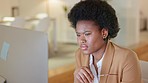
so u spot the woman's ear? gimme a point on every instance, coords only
(104, 33)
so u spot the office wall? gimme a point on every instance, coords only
(5, 8)
(30, 8)
(14, 2)
(71, 2)
(144, 7)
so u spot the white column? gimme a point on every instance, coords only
(128, 16)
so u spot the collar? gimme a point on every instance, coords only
(107, 61)
(91, 59)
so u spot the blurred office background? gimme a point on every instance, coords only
(50, 16)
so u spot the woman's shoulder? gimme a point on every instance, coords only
(124, 53)
(123, 50)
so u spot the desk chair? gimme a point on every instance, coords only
(144, 68)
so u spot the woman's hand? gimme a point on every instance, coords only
(83, 75)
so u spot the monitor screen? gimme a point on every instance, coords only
(23, 55)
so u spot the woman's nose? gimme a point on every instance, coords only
(82, 40)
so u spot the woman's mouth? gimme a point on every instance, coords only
(84, 47)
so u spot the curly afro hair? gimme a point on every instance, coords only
(98, 11)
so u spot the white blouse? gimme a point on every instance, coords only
(93, 70)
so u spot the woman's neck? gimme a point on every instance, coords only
(98, 54)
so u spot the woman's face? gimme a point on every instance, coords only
(89, 36)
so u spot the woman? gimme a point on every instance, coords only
(98, 60)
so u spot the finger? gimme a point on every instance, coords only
(79, 78)
(89, 72)
(86, 75)
(83, 77)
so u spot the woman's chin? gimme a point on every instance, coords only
(86, 53)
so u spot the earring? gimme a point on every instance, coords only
(104, 36)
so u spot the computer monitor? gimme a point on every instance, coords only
(23, 55)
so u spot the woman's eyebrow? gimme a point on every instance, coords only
(87, 31)
(83, 32)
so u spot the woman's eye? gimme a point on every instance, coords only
(86, 34)
(78, 35)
